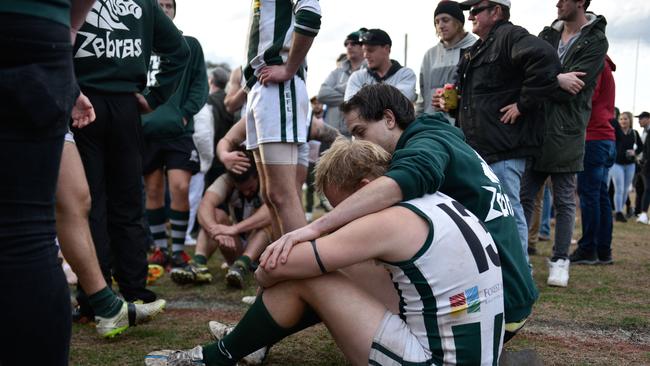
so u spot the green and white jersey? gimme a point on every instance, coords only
(451, 291)
(271, 29)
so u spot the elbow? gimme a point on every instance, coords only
(230, 108)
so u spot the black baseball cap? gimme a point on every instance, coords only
(375, 37)
(643, 115)
(355, 36)
(466, 5)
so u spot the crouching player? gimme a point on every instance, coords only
(442, 260)
(233, 219)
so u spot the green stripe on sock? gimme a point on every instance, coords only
(245, 260)
(179, 221)
(105, 303)
(156, 219)
(200, 259)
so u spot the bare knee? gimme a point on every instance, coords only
(73, 200)
(155, 193)
(179, 189)
(221, 217)
(280, 197)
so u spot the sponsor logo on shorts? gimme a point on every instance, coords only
(466, 300)
(194, 156)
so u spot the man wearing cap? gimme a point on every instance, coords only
(332, 91)
(643, 178)
(440, 62)
(381, 69)
(503, 78)
(578, 38)
(644, 122)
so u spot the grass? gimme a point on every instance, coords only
(602, 318)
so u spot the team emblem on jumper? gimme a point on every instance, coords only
(106, 16)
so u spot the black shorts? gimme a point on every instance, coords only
(179, 153)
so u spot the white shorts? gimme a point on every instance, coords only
(277, 113)
(394, 344)
(69, 137)
(303, 154)
(285, 154)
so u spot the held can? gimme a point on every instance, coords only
(448, 92)
(451, 96)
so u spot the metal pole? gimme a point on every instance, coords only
(636, 70)
(406, 47)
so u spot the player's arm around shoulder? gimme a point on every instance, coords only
(394, 234)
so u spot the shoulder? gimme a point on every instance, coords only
(359, 75)
(406, 71)
(193, 43)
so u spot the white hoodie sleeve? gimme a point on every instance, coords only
(204, 136)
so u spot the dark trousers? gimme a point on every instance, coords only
(36, 95)
(639, 188)
(564, 187)
(595, 209)
(111, 151)
(645, 202)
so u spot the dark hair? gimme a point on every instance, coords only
(587, 3)
(174, 2)
(219, 77)
(251, 172)
(372, 100)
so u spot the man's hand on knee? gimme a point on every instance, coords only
(279, 250)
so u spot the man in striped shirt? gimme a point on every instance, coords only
(443, 262)
(281, 33)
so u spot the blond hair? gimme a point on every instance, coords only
(347, 162)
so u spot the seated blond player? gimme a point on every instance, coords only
(442, 260)
(233, 219)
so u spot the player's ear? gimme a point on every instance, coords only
(363, 183)
(389, 116)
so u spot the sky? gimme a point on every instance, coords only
(221, 27)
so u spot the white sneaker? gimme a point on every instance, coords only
(130, 314)
(166, 357)
(248, 300)
(219, 330)
(558, 273)
(643, 218)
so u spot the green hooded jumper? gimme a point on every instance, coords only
(430, 156)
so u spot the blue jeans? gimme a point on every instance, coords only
(622, 177)
(594, 201)
(510, 173)
(547, 207)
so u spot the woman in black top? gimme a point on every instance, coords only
(628, 146)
